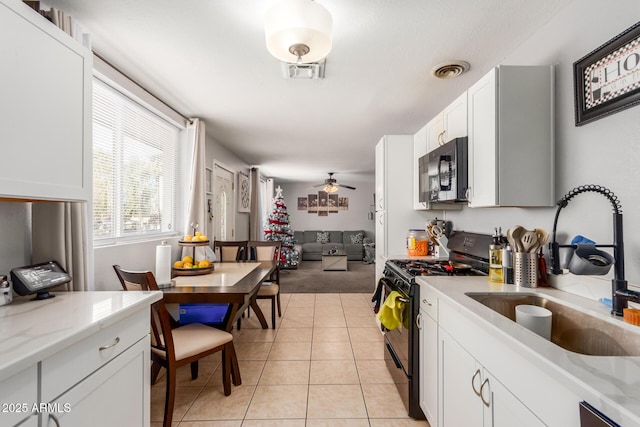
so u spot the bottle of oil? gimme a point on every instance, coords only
(495, 259)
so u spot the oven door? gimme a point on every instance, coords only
(396, 341)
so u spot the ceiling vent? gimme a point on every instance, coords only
(314, 70)
(449, 70)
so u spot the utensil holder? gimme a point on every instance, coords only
(525, 269)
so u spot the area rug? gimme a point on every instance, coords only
(309, 278)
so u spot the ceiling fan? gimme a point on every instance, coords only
(331, 185)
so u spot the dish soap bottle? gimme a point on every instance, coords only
(495, 259)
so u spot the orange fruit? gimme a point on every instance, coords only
(187, 265)
(178, 264)
(188, 259)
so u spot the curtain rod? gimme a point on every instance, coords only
(102, 58)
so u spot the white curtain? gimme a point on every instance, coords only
(59, 231)
(255, 215)
(196, 210)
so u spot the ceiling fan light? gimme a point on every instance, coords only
(330, 188)
(298, 31)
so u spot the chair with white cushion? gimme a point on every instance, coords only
(173, 347)
(268, 251)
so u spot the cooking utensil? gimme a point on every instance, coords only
(529, 241)
(516, 235)
(543, 237)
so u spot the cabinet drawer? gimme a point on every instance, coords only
(18, 394)
(429, 301)
(70, 366)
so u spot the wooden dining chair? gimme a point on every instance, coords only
(230, 251)
(268, 251)
(173, 347)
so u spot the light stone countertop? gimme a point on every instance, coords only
(614, 381)
(31, 331)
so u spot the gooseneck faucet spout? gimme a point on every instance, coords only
(620, 293)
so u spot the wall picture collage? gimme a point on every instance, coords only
(323, 203)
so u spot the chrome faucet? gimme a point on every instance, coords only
(620, 293)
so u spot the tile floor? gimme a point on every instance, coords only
(322, 366)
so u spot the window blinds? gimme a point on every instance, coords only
(134, 167)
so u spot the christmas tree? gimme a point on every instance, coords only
(278, 229)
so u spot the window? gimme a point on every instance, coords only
(135, 158)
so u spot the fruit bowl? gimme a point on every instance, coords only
(191, 271)
(193, 242)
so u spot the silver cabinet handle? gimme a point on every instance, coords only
(427, 302)
(113, 344)
(473, 382)
(485, 382)
(419, 320)
(441, 140)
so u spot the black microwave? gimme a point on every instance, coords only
(444, 173)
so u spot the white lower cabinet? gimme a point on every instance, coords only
(428, 326)
(471, 396)
(111, 396)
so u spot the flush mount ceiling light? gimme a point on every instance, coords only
(450, 69)
(298, 31)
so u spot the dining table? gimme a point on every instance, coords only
(233, 283)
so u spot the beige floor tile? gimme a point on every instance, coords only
(283, 372)
(256, 335)
(368, 350)
(365, 334)
(361, 321)
(212, 404)
(301, 300)
(290, 351)
(278, 401)
(294, 335)
(330, 334)
(333, 372)
(296, 323)
(183, 375)
(184, 398)
(253, 350)
(323, 350)
(373, 372)
(298, 312)
(358, 311)
(353, 422)
(383, 401)
(336, 401)
(396, 422)
(325, 320)
(274, 423)
(250, 371)
(233, 423)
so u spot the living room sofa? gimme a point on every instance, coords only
(311, 243)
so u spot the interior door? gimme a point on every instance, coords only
(223, 193)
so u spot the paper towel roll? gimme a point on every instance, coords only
(163, 265)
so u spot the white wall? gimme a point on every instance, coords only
(356, 218)
(604, 152)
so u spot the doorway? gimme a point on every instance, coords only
(223, 193)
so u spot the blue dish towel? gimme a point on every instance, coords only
(581, 240)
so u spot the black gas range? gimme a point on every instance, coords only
(468, 256)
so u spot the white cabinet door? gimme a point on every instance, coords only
(380, 171)
(454, 118)
(435, 132)
(461, 381)
(45, 109)
(115, 395)
(482, 141)
(429, 367)
(419, 150)
(505, 409)
(508, 123)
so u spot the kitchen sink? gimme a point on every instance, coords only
(571, 329)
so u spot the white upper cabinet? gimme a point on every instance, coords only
(45, 108)
(419, 150)
(449, 124)
(511, 137)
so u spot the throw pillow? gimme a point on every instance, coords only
(356, 239)
(322, 237)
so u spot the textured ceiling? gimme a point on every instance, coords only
(208, 59)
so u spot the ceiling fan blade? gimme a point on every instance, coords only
(345, 186)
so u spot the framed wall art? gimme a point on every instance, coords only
(607, 80)
(244, 193)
